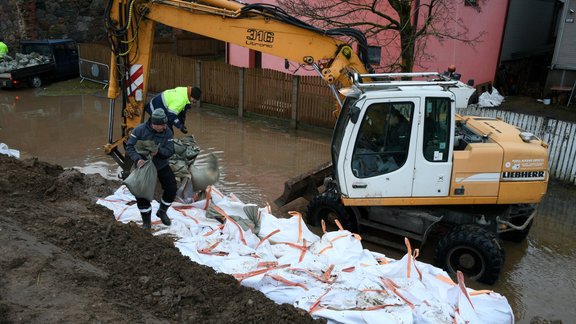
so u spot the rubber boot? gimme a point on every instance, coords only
(161, 213)
(146, 220)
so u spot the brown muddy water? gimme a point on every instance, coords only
(257, 156)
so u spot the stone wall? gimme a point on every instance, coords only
(81, 20)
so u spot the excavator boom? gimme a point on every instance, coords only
(259, 27)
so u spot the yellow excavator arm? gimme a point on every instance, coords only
(260, 27)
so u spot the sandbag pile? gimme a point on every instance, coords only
(491, 98)
(331, 276)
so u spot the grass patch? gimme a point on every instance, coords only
(72, 87)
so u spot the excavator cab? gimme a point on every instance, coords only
(398, 129)
(402, 169)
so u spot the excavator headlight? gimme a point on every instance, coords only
(527, 137)
(347, 52)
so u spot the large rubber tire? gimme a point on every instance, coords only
(327, 207)
(474, 251)
(35, 82)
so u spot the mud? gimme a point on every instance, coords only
(64, 259)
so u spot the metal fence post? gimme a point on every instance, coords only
(241, 73)
(294, 107)
(198, 77)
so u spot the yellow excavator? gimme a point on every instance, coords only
(404, 163)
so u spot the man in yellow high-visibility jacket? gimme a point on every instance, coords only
(175, 103)
(3, 48)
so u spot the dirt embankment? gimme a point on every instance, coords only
(64, 259)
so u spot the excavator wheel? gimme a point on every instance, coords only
(473, 250)
(327, 207)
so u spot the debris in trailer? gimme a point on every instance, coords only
(332, 276)
(8, 63)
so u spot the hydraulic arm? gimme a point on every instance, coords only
(260, 27)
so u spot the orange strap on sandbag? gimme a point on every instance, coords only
(276, 231)
(229, 219)
(286, 281)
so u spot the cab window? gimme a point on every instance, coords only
(437, 129)
(383, 140)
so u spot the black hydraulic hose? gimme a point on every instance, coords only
(277, 13)
(110, 24)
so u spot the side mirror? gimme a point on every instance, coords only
(354, 114)
(470, 82)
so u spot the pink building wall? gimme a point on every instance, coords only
(481, 61)
(478, 63)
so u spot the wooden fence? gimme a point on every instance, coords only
(560, 136)
(271, 93)
(308, 100)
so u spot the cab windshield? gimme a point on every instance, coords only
(339, 130)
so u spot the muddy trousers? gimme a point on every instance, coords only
(168, 183)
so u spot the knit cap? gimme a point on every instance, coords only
(159, 117)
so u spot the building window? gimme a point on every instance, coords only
(473, 3)
(374, 54)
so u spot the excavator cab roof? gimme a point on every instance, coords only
(417, 83)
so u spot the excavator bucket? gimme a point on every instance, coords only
(304, 185)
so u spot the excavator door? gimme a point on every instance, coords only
(378, 161)
(434, 149)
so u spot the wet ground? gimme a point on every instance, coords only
(257, 156)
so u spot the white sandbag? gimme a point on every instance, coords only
(292, 230)
(341, 248)
(490, 99)
(4, 149)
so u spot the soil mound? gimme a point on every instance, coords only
(65, 259)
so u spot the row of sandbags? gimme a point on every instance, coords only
(331, 276)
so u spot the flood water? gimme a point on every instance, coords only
(257, 156)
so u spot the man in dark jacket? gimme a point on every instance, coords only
(399, 132)
(398, 137)
(156, 130)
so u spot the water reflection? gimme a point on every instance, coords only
(539, 276)
(68, 130)
(256, 157)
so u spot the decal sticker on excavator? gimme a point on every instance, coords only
(524, 175)
(530, 164)
(260, 38)
(480, 177)
(524, 170)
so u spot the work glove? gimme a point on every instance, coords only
(184, 129)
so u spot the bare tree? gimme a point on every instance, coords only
(397, 26)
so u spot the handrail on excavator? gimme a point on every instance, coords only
(387, 80)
